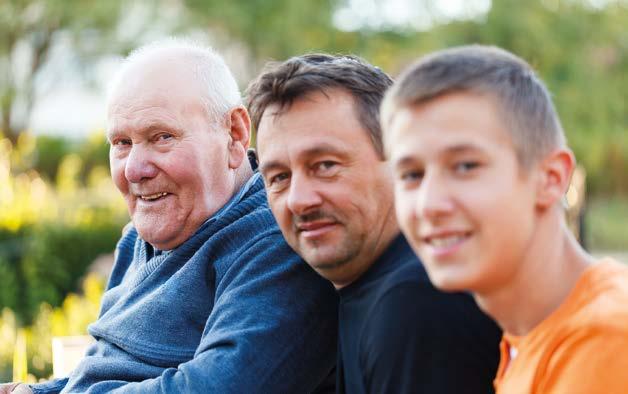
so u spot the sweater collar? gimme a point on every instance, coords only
(234, 200)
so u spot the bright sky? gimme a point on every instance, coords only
(412, 14)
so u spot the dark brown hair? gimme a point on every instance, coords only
(284, 83)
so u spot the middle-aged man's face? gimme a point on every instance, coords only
(327, 187)
(168, 159)
(463, 201)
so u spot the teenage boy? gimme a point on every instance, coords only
(330, 189)
(480, 169)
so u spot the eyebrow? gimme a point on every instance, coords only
(450, 150)
(323, 149)
(404, 161)
(271, 165)
(462, 148)
(154, 126)
(317, 150)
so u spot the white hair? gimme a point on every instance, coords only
(221, 88)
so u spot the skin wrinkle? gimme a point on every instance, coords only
(168, 143)
(358, 224)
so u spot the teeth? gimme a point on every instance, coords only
(444, 242)
(153, 196)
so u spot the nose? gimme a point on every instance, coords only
(303, 195)
(139, 166)
(434, 198)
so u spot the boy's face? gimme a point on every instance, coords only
(462, 200)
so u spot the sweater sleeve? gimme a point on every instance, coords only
(273, 329)
(50, 387)
(420, 340)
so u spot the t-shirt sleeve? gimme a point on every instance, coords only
(422, 340)
(589, 363)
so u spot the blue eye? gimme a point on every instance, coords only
(411, 176)
(325, 165)
(122, 141)
(465, 166)
(278, 178)
(164, 137)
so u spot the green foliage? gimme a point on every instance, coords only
(50, 233)
(29, 31)
(50, 152)
(275, 29)
(71, 318)
(606, 224)
(580, 52)
(58, 255)
(59, 209)
(8, 331)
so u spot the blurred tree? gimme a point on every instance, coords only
(29, 30)
(269, 29)
(50, 152)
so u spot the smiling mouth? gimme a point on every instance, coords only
(447, 242)
(152, 197)
(315, 229)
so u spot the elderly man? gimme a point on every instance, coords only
(205, 295)
(330, 189)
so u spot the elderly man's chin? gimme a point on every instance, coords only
(159, 230)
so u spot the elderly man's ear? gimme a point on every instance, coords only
(239, 126)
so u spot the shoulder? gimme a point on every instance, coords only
(423, 308)
(597, 305)
(253, 252)
(589, 361)
(407, 303)
(586, 347)
(407, 286)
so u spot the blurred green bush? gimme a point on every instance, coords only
(71, 318)
(58, 212)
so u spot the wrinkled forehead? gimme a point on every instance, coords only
(142, 110)
(156, 74)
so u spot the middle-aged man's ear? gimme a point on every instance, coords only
(554, 177)
(239, 127)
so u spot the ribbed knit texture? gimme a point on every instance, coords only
(232, 310)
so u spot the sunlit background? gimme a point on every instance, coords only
(60, 215)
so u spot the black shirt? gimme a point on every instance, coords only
(399, 334)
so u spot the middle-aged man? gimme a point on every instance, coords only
(205, 295)
(320, 154)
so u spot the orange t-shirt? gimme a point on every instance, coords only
(582, 347)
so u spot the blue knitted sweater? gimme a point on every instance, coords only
(232, 310)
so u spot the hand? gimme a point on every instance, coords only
(15, 388)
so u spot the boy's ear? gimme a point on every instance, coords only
(554, 177)
(239, 126)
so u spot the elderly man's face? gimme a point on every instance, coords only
(168, 158)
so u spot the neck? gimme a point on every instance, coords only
(241, 176)
(547, 273)
(369, 255)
